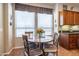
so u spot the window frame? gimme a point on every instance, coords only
(36, 23)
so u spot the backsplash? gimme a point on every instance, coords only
(69, 28)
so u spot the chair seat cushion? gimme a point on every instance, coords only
(32, 45)
(50, 49)
(35, 52)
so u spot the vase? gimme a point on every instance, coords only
(39, 38)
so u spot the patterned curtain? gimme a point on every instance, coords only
(25, 7)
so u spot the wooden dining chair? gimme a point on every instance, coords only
(52, 48)
(29, 34)
(29, 51)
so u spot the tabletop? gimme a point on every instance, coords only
(42, 40)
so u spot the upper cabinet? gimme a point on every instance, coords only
(66, 17)
(69, 17)
(76, 18)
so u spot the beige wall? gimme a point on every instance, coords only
(1, 29)
(56, 12)
(7, 29)
(18, 42)
(10, 33)
(76, 7)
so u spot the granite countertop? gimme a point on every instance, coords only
(68, 32)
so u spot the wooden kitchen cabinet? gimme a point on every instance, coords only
(78, 42)
(69, 41)
(76, 18)
(69, 17)
(73, 41)
(66, 17)
(64, 41)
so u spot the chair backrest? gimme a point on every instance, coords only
(26, 44)
(55, 39)
(29, 34)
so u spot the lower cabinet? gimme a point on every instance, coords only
(78, 43)
(69, 41)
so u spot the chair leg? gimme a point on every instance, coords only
(46, 54)
(23, 53)
(54, 54)
(57, 54)
(41, 55)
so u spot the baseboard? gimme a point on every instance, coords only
(1, 52)
(11, 50)
(8, 52)
(18, 47)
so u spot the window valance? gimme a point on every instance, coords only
(24, 7)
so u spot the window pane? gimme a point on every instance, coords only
(24, 22)
(24, 19)
(45, 22)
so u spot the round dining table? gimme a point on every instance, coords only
(42, 41)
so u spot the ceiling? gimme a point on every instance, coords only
(46, 5)
(73, 4)
(51, 5)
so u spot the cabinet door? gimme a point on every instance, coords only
(64, 41)
(71, 17)
(76, 18)
(73, 41)
(78, 42)
(66, 17)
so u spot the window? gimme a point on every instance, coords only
(29, 18)
(45, 22)
(25, 21)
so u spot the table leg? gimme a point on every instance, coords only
(42, 44)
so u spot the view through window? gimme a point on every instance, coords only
(25, 22)
(45, 22)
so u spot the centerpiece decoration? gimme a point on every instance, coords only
(39, 31)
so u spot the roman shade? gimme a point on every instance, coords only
(25, 7)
